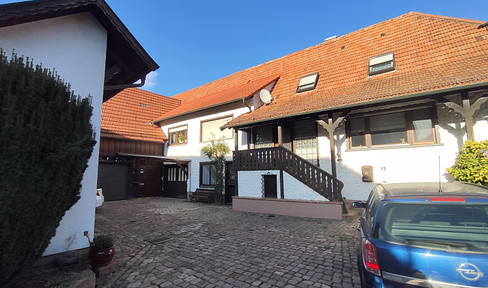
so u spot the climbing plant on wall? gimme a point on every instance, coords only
(46, 140)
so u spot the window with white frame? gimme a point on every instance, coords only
(210, 129)
(411, 127)
(178, 135)
(308, 82)
(381, 63)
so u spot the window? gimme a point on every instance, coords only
(178, 135)
(177, 174)
(210, 129)
(381, 64)
(308, 82)
(263, 137)
(395, 128)
(426, 224)
(207, 174)
(306, 140)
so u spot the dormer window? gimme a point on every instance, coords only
(381, 64)
(308, 82)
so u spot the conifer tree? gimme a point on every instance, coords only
(46, 140)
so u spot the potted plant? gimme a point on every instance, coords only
(102, 249)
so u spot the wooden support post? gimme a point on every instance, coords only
(332, 147)
(236, 139)
(280, 135)
(330, 125)
(468, 118)
(467, 111)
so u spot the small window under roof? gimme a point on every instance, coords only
(308, 82)
(381, 63)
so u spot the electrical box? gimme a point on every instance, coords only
(367, 172)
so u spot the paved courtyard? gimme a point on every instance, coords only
(164, 242)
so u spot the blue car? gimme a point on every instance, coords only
(424, 235)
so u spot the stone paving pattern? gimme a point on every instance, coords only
(163, 242)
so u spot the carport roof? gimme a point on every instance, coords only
(165, 159)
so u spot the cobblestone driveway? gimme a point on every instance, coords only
(165, 242)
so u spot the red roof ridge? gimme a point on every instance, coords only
(234, 93)
(455, 19)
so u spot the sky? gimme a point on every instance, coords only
(199, 41)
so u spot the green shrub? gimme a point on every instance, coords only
(471, 163)
(216, 151)
(101, 242)
(46, 140)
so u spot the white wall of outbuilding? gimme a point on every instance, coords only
(75, 46)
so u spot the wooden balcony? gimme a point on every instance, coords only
(279, 158)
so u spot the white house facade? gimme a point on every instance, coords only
(363, 108)
(73, 43)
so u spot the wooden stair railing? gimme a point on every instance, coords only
(280, 158)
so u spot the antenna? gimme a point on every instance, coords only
(440, 187)
(265, 96)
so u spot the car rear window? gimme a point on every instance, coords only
(446, 226)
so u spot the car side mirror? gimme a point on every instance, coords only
(359, 204)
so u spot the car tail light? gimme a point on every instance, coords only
(447, 199)
(370, 258)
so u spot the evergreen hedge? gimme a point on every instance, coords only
(46, 140)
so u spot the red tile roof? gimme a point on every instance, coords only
(128, 115)
(431, 53)
(203, 98)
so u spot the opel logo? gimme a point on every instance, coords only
(469, 271)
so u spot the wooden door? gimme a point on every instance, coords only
(270, 186)
(230, 182)
(148, 175)
(175, 179)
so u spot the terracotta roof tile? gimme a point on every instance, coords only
(129, 114)
(431, 53)
(195, 101)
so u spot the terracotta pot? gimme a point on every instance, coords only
(101, 257)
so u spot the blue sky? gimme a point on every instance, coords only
(199, 41)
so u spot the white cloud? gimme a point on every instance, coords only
(151, 80)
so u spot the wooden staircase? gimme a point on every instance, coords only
(280, 158)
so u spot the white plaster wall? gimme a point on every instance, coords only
(481, 129)
(75, 46)
(192, 149)
(398, 164)
(250, 185)
(296, 190)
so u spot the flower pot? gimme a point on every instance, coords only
(101, 257)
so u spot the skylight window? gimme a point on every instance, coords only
(381, 63)
(308, 82)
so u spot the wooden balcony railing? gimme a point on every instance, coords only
(279, 158)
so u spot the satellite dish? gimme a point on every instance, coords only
(265, 96)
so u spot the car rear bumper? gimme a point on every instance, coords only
(416, 282)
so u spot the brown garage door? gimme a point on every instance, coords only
(113, 178)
